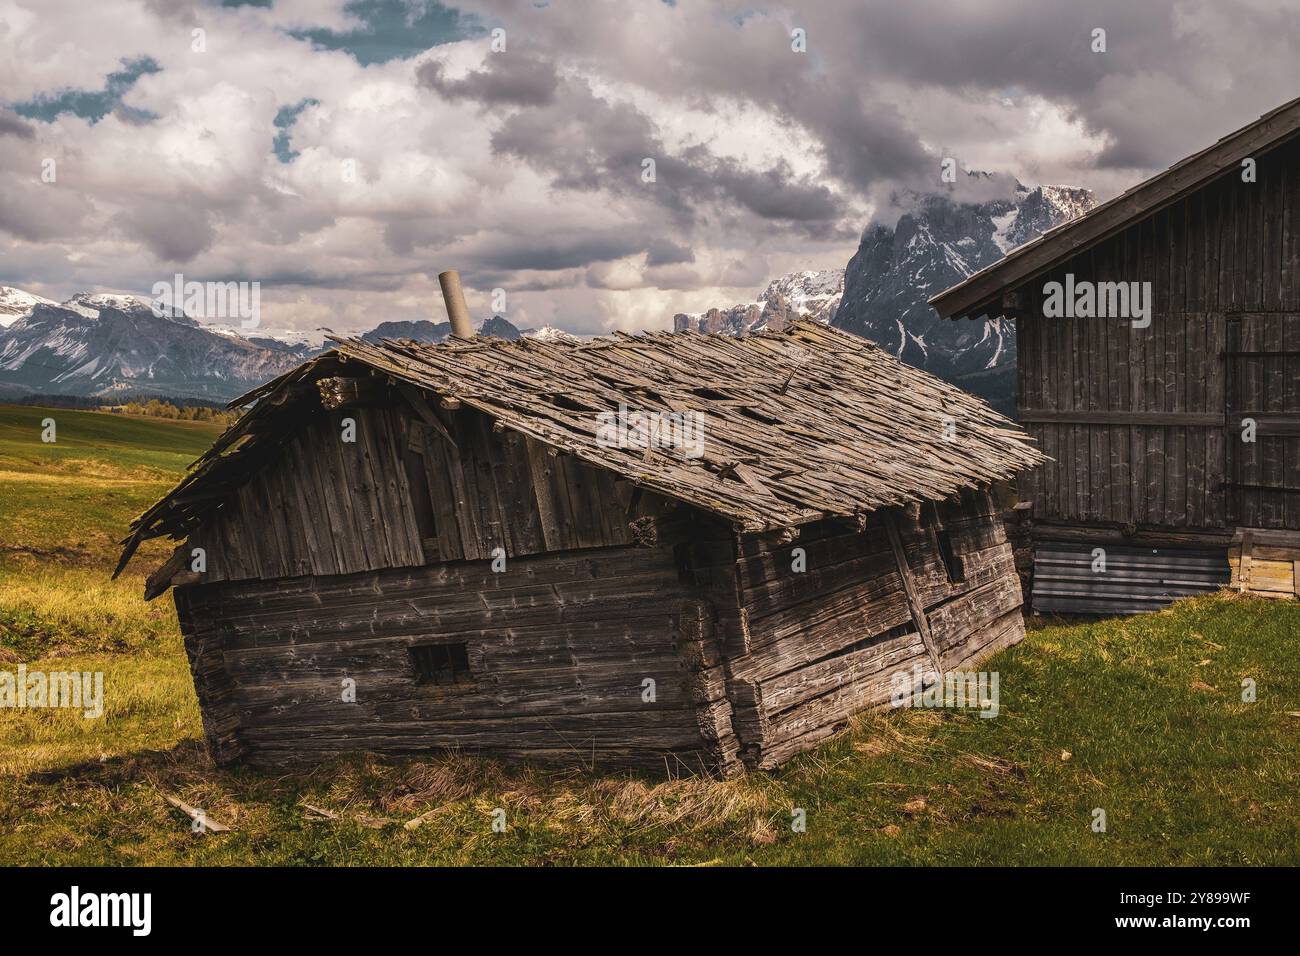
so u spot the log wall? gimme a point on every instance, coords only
(338, 558)
(751, 660)
(559, 649)
(806, 650)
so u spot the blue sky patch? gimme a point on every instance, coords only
(284, 120)
(394, 29)
(93, 105)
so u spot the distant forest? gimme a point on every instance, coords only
(180, 409)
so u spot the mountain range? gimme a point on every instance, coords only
(882, 294)
(797, 295)
(111, 344)
(936, 244)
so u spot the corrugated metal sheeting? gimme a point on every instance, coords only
(1069, 579)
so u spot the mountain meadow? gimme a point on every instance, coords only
(1140, 717)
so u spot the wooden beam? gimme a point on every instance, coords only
(415, 398)
(1145, 536)
(161, 579)
(913, 594)
(1122, 417)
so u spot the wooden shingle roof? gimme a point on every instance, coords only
(799, 425)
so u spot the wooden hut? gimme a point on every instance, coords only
(1173, 446)
(477, 569)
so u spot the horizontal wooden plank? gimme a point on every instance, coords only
(1121, 417)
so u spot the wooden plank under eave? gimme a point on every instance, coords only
(335, 482)
(540, 466)
(393, 447)
(314, 522)
(464, 493)
(330, 529)
(520, 502)
(442, 492)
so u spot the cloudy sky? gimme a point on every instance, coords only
(343, 152)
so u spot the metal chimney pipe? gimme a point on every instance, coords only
(454, 297)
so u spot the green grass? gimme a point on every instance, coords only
(73, 498)
(1149, 710)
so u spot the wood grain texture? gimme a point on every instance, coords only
(1144, 426)
(752, 660)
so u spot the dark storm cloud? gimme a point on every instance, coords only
(554, 251)
(1148, 92)
(588, 143)
(665, 252)
(360, 280)
(487, 278)
(172, 231)
(1174, 77)
(36, 211)
(506, 79)
(704, 60)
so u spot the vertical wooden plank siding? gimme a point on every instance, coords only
(324, 506)
(1143, 426)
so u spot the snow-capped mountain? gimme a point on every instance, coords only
(934, 245)
(810, 294)
(16, 302)
(882, 294)
(306, 342)
(100, 349)
(109, 343)
(90, 304)
(549, 333)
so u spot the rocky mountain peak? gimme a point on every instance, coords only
(936, 243)
(811, 294)
(15, 303)
(500, 328)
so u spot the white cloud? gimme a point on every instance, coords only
(884, 89)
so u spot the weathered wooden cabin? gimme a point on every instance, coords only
(1173, 446)
(477, 569)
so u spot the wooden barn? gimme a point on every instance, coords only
(477, 569)
(1174, 445)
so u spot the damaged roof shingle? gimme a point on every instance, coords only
(798, 425)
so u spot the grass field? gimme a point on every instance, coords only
(1140, 717)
